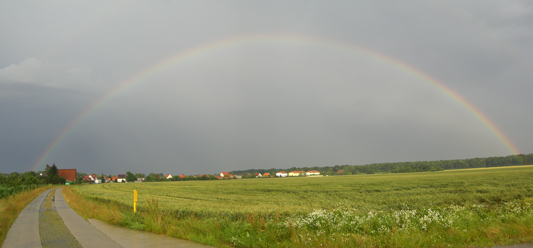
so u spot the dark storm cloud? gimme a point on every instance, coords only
(260, 105)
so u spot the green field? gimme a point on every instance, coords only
(476, 206)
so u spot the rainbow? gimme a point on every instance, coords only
(285, 39)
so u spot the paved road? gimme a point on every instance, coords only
(25, 230)
(50, 222)
(53, 232)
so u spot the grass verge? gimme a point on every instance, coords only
(11, 207)
(151, 219)
(106, 211)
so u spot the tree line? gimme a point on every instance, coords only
(14, 182)
(405, 167)
(11, 184)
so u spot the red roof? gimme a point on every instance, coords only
(69, 174)
(225, 173)
(182, 176)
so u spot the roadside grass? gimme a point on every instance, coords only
(150, 219)
(108, 211)
(10, 208)
(481, 207)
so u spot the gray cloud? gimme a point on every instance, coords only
(260, 104)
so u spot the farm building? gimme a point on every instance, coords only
(68, 174)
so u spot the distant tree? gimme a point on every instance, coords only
(346, 173)
(14, 178)
(30, 177)
(52, 175)
(51, 171)
(130, 177)
(152, 177)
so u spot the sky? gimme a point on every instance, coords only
(200, 87)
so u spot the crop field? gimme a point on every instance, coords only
(477, 206)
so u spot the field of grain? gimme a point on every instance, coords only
(441, 208)
(361, 192)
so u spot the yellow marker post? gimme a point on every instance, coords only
(135, 201)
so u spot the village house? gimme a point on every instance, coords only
(312, 173)
(281, 174)
(168, 176)
(296, 173)
(87, 179)
(225, 174)
(257, 175)
(121, 178)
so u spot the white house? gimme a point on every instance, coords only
(281, 174)
(121, 178)
(312, 173)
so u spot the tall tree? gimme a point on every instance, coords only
(51, 170)
(130, 177)
(52, 174)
